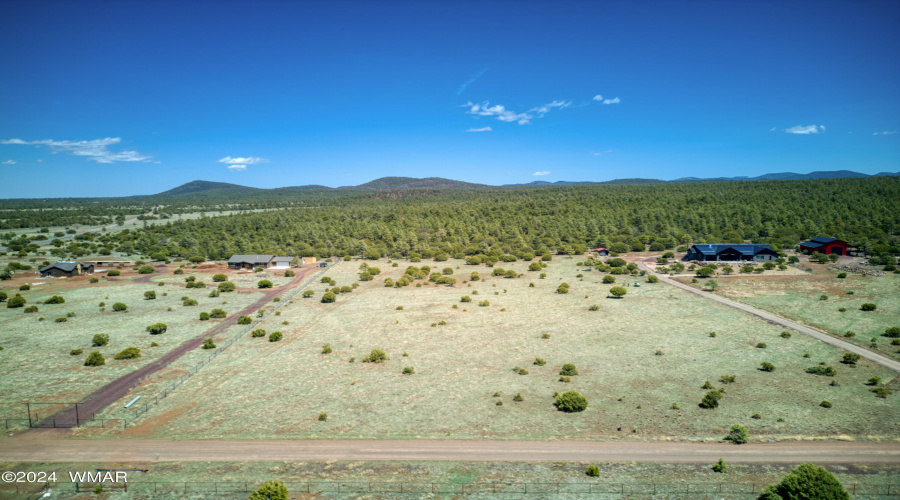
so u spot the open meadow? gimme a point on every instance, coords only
(826, 302)
(642, 361)
(40, 361)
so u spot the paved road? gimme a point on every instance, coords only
(812, 332)
(33, 446)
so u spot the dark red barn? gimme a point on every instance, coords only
(827, 246)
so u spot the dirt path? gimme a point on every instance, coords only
(117, 389)
(32, 447)
(812, 332)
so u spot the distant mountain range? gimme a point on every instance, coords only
(207, 189)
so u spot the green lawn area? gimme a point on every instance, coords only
(636, 356)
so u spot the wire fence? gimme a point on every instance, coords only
(144, 406)
(641, 490)
(146, 403)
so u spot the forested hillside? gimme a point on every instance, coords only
(527, 220)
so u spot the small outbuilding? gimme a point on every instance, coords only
(823, 244)
(307, 260)
(281, 262)
(602, 251)
(731, 252)
(66, 269)
(251, 261)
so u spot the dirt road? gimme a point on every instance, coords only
(31, 446)
(812, 332)
(117, 389)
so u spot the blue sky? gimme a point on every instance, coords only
(139, 97)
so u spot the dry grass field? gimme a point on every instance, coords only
(800, 299)
(36, 364)
(636, 356)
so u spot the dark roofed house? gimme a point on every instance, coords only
(250, 261)
(731, 252)
(827, 246)
(66, 269)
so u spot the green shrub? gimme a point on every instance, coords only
(145, 270)
(178, 271)
(822, 370)
(849, 333)
(408, 370)
(594, 307)
(3, 296)
(128, 353)
(545, 335)
(95, 359)
(75, 352)
(308, 293)
(245, 320)
(825, 404)
(484, 303)
(593, 471)
(323, 417)
(609, 279)
(465, 298)
(868, 306)
(376, 356)
(187, 301)
(570, 402)
(520, 370)
(518, 398)
(785, 334)
(568, 370)
(720, 467)
(328, 297)
(31, 309)
(195, 284)
(711, 400)
(264, 284)
(15, 301)
(876, 380)
(881, 392)
(539, 361)
(114, 272)
(761, 345)
(562, 288)
(565, 379)
(850, 358)
(56, 299)
(259, 332)
(217, 313)
(806, 482)
(289, 274)
(157, 328)
(100, 339)
(25, 288)
(737, 434)
(326, 348)
(61, 320)
(208, 343)
(767, 367)
(618, 291)
(119, 307)
(226, 286)
(892, 332)
(219, 277)
(275, 336)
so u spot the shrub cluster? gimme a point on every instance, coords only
(128, 353)
(376, 356)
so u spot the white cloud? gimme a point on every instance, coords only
(598, 153)
(598, 97)
(614, 100)
(545, 172)
(482, 129)
(95, 150)
(40, 161)
(805, 130)
(237, 167)
(889, 132)
(9, 162)
(772, 129)
(499, 112)
(250, 160)
(543, 110)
